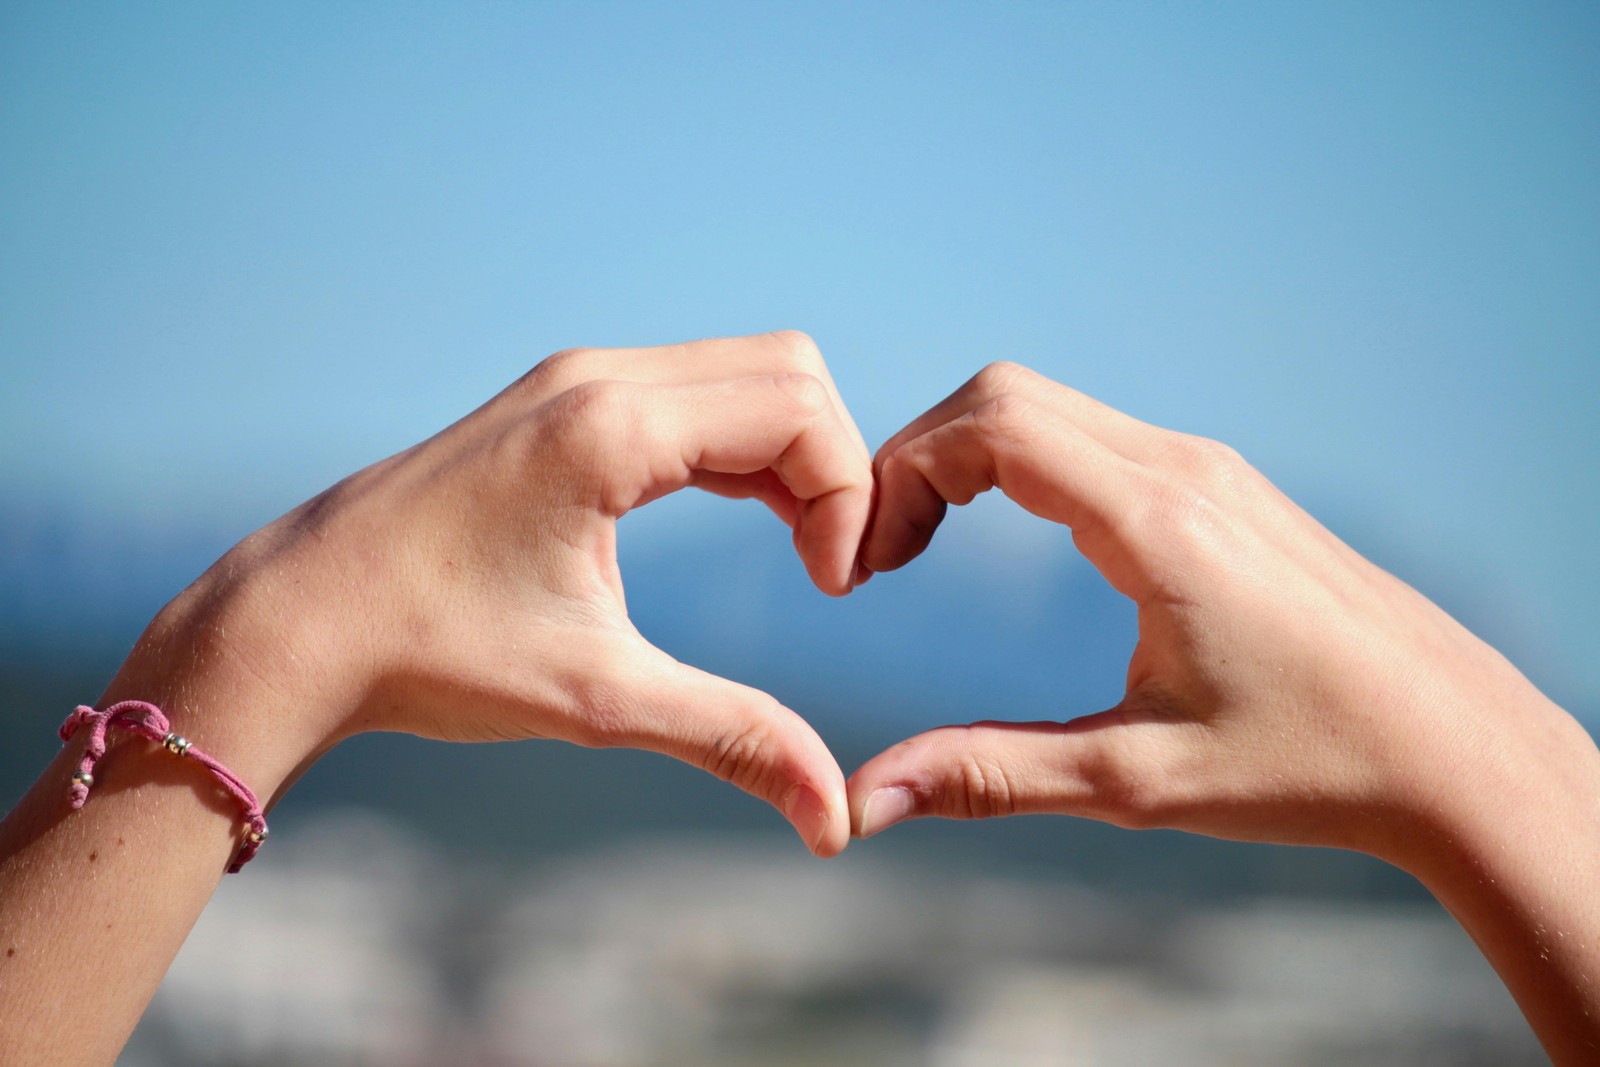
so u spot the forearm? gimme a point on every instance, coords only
(1515, 857)
(95, 902)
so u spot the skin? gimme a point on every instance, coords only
(466, 589)
(1282, 689)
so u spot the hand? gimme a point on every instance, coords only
(465, 589)
(468, 589)
(1282, 689)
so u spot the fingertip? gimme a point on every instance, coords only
(880, 560)
(807, 814)
(831, 849)
(896, 539)
(830, 579)
(883, 808)
(823, 832)
(828, 534)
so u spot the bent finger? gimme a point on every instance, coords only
(653, 440)
(1116, 430)
(1042, 461)
(709, 360)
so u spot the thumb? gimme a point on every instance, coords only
(737, 733)
(1096, 767)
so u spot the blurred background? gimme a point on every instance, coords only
(247, 249)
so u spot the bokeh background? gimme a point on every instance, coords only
(245, 249)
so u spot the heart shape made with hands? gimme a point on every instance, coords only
(1007, 428)
(1260, 634)
(784, 437)
(990, 433)
(1264, 645)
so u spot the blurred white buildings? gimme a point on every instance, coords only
(351, 945)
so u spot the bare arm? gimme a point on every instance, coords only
(1283, 689)
(466, 589)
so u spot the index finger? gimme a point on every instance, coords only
(1044, 462)
(1116, 430)
(709, 360)
(651, 440)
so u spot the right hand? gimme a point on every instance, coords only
(1282, 689)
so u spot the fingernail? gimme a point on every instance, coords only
(805, 810)
(861, 576)
(885, 807)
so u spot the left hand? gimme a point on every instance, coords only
(468, 589)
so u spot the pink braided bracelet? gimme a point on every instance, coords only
(147, 721)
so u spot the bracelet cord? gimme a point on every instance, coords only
(148, 721)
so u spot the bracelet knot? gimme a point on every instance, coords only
(148, 721)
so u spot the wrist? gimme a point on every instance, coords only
(1523, 776)
(1515, 858)
(231, 665)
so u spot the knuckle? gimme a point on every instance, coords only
(797, 347)
(894, 466)
(804, 392)
(740, 757)
(1124, 791)
(598, 712)
(917, 461)
(568, 358)
(590, 438)
(591, 406)
(1184, 514)
(559, 370)
(1196, 519)
(912, 473)
(983, 790)
(883, 458)
(1005, 417)
(1209, 461)
(1001, 376)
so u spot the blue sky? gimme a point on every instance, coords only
(247, 248)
